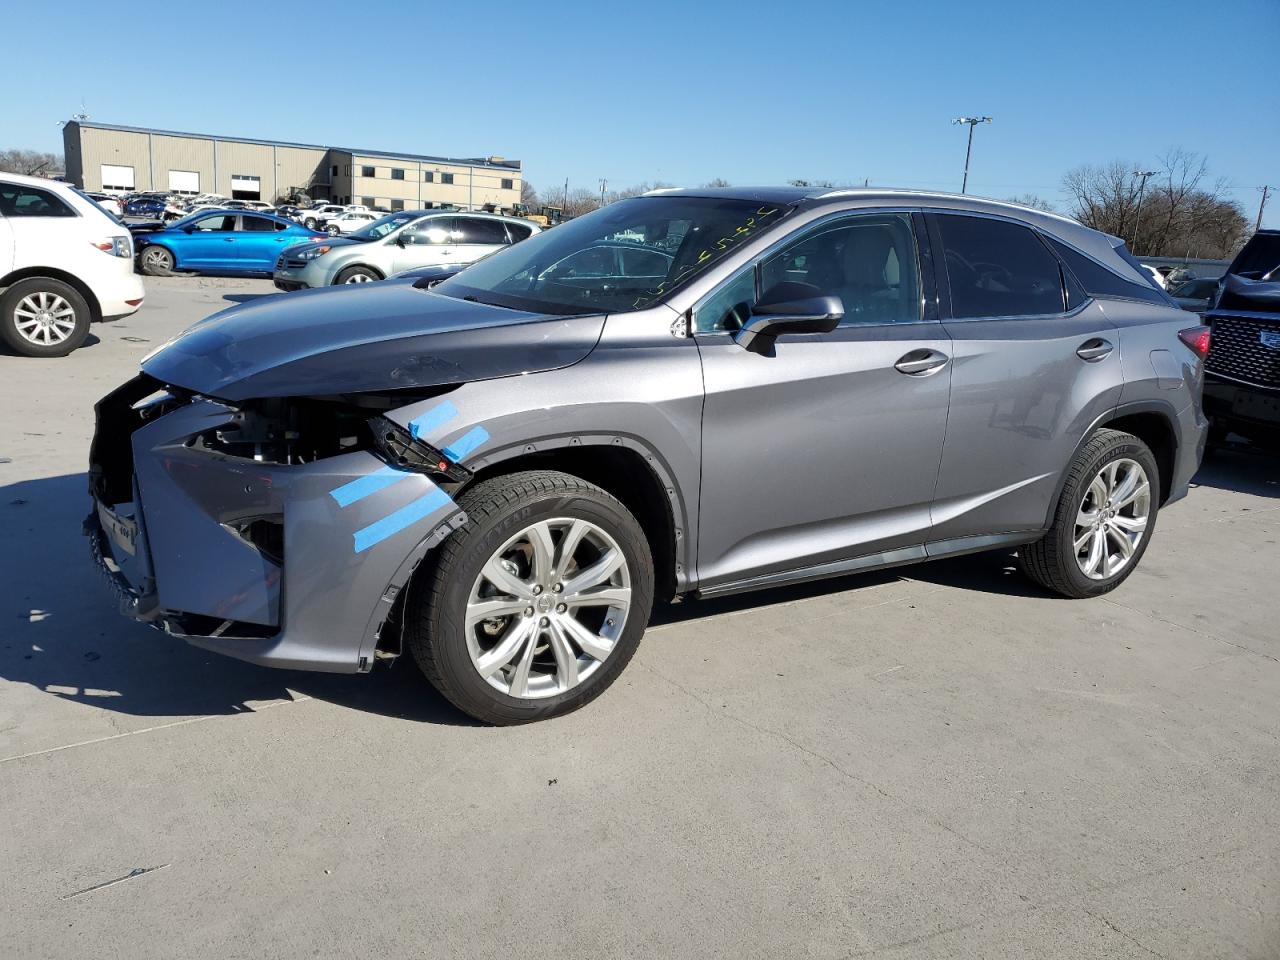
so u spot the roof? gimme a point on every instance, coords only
(462, 161)
(34, 181)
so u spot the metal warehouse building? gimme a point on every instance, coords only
(117, 159)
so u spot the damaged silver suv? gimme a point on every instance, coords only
(688, 393)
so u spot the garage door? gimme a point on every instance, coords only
(184, 181)
(117, 178)
(245, 187)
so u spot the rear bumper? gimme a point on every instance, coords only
(115, 302)
(1232, 402)
(174, 548)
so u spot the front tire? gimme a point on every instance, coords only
(534, 606)
(157, 261)
(309, 223)
(43, 317)
(1104, 520)
(357, 275)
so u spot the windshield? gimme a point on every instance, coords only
(379, 228)
(623, 257)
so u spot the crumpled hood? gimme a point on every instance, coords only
(363, 338)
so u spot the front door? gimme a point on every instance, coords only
(826, 451)
(210, 243)
(1035, 367)
(424, 243)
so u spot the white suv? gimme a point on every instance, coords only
(312, 217)
(347, 222)
(64, 262)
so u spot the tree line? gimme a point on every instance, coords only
(1177, 212)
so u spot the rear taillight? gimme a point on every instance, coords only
(1197, 339)
(116, 246)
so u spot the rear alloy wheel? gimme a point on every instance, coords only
(157, 261)
(1104, 519)
(309, 223)
(357, 275)
(537, 603)
(43, 317)
(332, 231)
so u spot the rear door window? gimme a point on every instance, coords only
(488, 232)
(20, 201)
(998, 269)
(257, 225)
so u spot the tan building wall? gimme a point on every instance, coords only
(211, 163)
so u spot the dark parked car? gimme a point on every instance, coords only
(220, 241)
(1242, 371)
(498, 474)
(1195, 295)
(152, 207)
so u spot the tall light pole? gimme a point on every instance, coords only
(1137, 220)
(603, 183)
(1266, 190)
(972, 122)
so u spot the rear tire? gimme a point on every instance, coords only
(545, 665)
(309, 223)
(1098, 536)
(43, 317)
(157, 261)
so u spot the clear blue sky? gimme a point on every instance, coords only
(686, 91)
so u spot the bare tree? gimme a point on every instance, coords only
(1034, 202)
(718, 182)
(637, 189)
(811, 183)
(528, 194)
(32, 163)
(1178, 214)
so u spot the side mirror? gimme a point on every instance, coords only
(788, 307)
(403, 239)
(189, 229)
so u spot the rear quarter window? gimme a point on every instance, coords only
(22, 201)
(1098, 281)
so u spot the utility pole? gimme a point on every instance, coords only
(971, 122)
(1137, 220)
(1266, 189)
(566, 191)
(603, 184)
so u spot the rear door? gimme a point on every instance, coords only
(476, 237)
(1030, 375)
(259, 242)
(6, 245)
(826, 451)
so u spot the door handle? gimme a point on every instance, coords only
(921, 363)
(228, 239)
(1091, 351)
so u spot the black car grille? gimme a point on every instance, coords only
(1237, 350)
(293, 263)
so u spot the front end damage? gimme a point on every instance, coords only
(279, 531)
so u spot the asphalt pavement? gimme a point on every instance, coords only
(941, 761)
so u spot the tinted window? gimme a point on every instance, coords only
(518, 231)
(397, 204)
(367, 171)
(429, 177)
(869, 262)
(998, 269)
(481, 231)
(1098, 281)
(221, 222)
(282, 226)
(508, 184)
(397, 173)
(446, 178)
(257, 224)
(16, 201)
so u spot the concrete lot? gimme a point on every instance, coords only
(938, 762)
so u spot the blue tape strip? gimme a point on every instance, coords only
(466, 443)
(362, 487)
(406, 516)
(437, 416)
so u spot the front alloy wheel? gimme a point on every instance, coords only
(548, 608)
(533, 607)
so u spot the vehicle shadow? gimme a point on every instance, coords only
(1241, 468)
(247, 297)
(63, 636)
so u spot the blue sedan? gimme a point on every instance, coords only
(220, 241)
